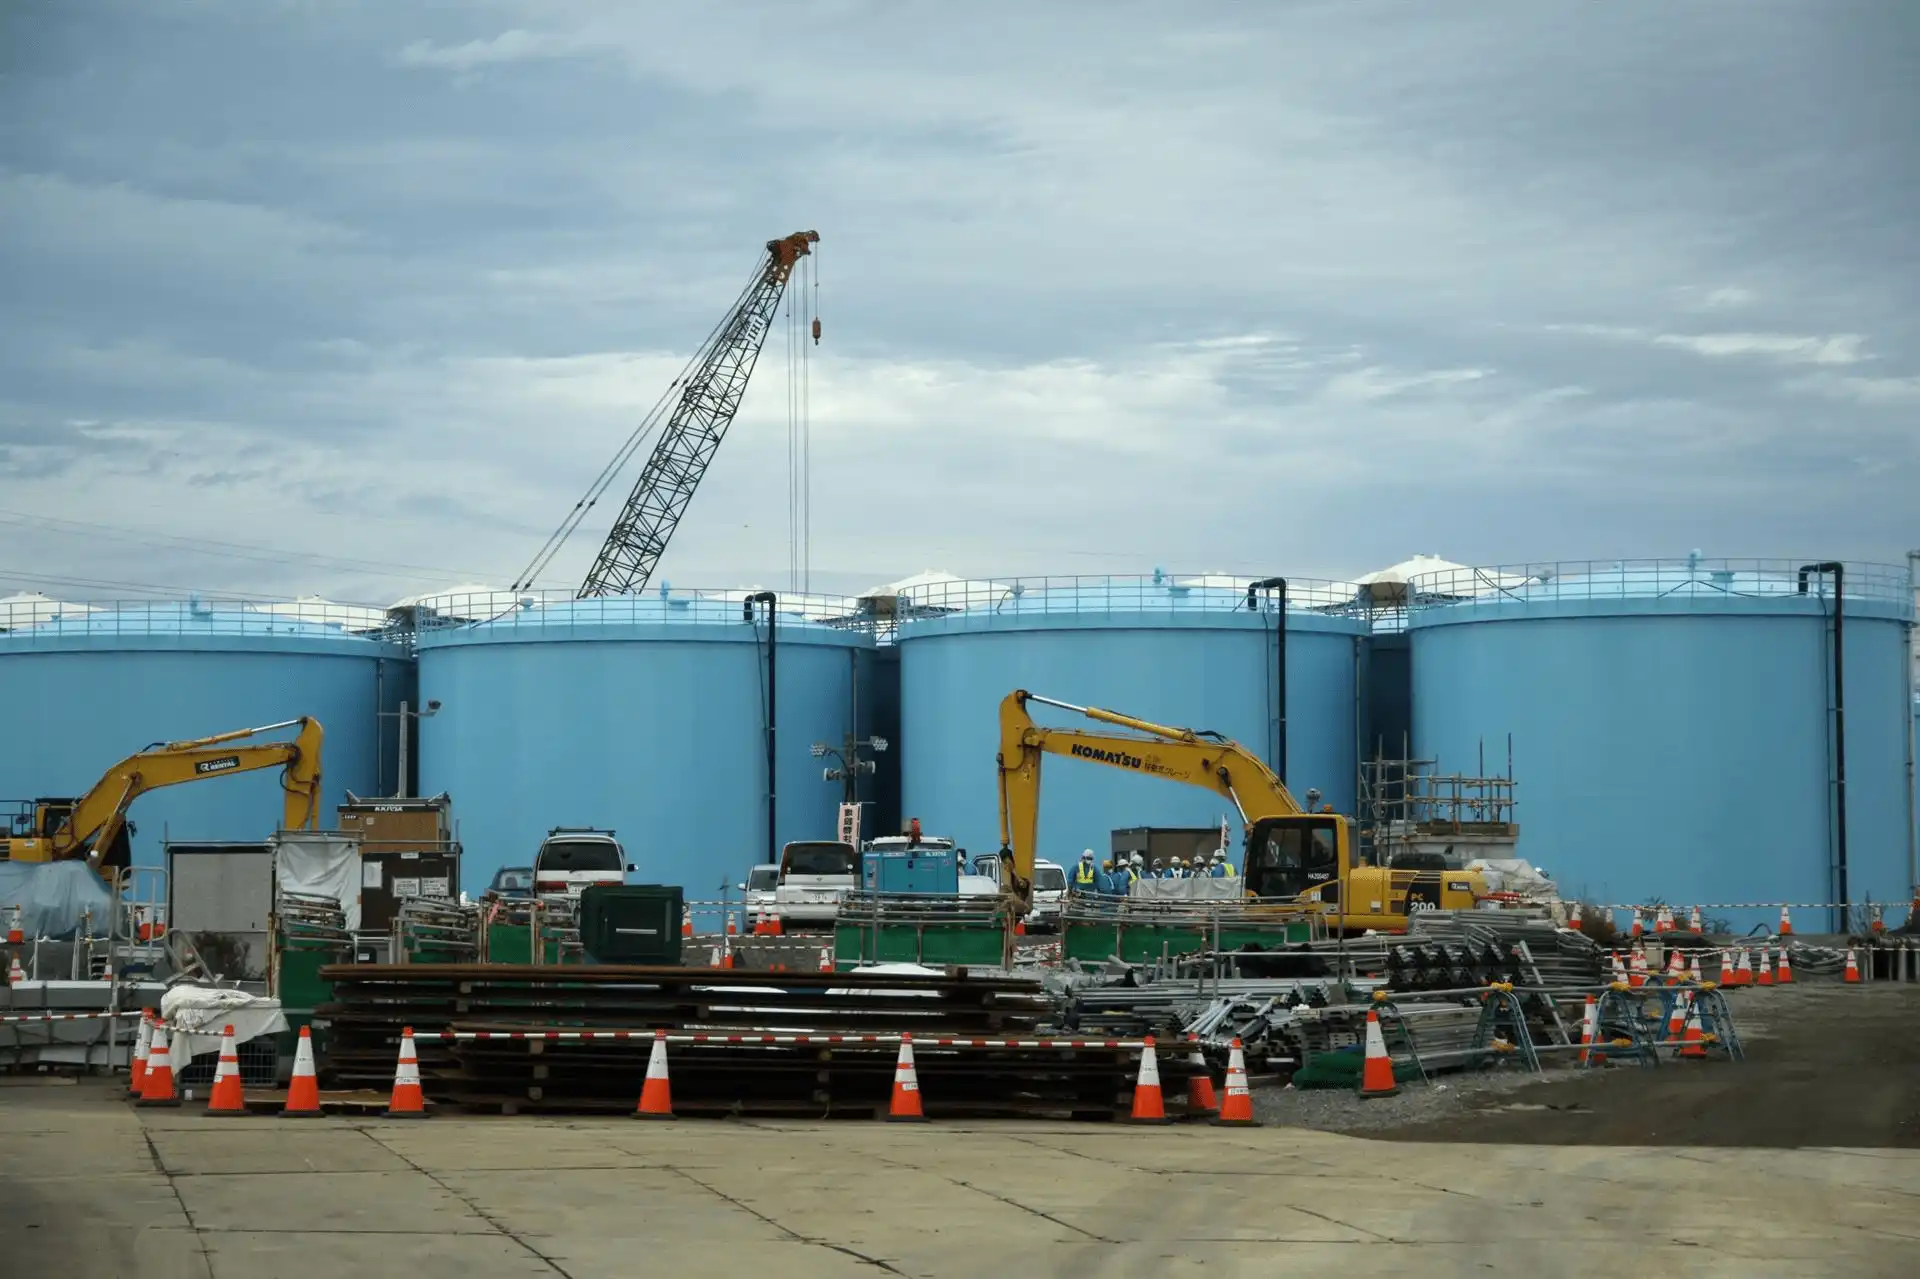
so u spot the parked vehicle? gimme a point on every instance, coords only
(574, 858)
(814, 876)
(1049, 896)
(759, 888)
(512, 881)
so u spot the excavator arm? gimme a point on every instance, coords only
(1206, 760)
(98, 815)
(1302, 858)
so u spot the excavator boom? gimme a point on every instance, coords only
(97, 817)
(1207, 760)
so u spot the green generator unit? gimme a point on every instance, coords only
(632, 923)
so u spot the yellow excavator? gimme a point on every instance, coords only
(1291, 856)
(95, 825)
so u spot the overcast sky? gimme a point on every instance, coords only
(1290, 287)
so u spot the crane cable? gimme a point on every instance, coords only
(648, 427)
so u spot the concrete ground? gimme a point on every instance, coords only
(89, 1186)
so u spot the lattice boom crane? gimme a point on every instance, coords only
(709, 398)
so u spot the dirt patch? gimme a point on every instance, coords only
(1827, 1065)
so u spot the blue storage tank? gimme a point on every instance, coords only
(1671, 724)
(1186, 654)
(86, 686)
(643, 714)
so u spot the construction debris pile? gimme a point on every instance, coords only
(512, 1037)
(1290, 1004)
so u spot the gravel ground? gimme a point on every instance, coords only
(1826, 1065)
(1448, 1097)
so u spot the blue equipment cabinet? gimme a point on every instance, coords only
(922, 871)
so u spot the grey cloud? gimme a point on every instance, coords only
(1313, 281)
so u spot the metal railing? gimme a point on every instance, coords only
(26, 619)
(1693, 579)
(1159, 592)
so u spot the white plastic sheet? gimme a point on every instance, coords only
(196, 1016)
(1190, 890)
(1515, 875)
(320, 864)
(53, 896)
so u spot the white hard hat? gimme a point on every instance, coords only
(1086, 854)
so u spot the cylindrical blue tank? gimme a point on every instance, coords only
(1188, 656)
(86, 687)
(1671, 724)
(644, 715)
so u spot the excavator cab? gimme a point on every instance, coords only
(1296, 855)
(31, 823)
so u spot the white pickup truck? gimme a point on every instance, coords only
(1049, 888)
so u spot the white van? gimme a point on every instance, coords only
(574, 858)
(814, 875)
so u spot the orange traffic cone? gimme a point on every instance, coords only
(1693, 920)
(303, 1093)
(157, 1088)
(1743, 969)
(1852, 976)
(1573, 916)
(905, 1108)
(1376, 1072)
(1676, 963)
(732, 929)
(1693, 1044)
(1693, 969)
(1639, 928)
(726, 960)
(15, 973)
(1619, 969)
(1878, 924)
(1200, 1098)
(15, 937)
(137, 1065)
(1663, 921)
(686, 922)
(1637, 968)
(826, 959)
(228, 1096)
(1726, 966)
(1149, 1105)
(407, 1102)
(656, 1094)
(1786, 923)
(1783, 972)
(1677, 1018)
(1237, 1111)
(1589, 1028)
(1765, 976)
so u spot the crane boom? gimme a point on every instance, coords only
(709, 398)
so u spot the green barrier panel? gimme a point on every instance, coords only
(512, 944)
(934, 944)
(297, 985)
(1142, 943)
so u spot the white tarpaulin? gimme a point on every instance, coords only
(197, 1015)
(53, 897)
(321, 864)
(1190, 890)
(1515, 875)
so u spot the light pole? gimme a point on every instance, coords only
(402, 789)
(851, 767)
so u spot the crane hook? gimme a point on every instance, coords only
(816, 330)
